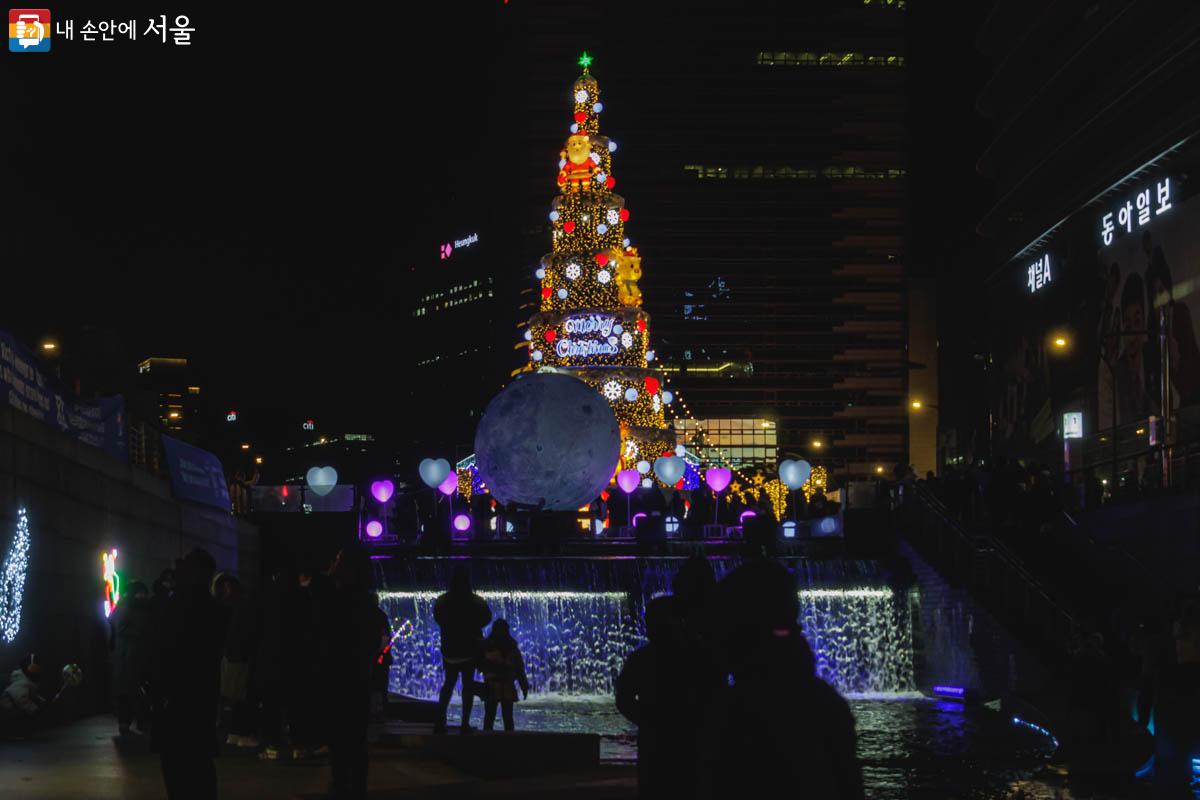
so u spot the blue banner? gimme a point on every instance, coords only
(196, 474)
(25, 387)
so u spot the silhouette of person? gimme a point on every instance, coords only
(461, 615)
(779, 724)
(659, 690)
(352, 646)
(187, 682)
(503, 668)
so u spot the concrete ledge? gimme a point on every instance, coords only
(497, 754)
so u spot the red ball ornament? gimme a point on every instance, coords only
(641, 323)
(624, 215)
(602, 258)
(651, 385)
(569, 226)
(580, 117)
(546, 292)
(550, 335)
(610, 181)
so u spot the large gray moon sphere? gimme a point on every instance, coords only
(548, 439)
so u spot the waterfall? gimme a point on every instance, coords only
(574, 642)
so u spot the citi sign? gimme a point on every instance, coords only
(449, 247)
(309, 425)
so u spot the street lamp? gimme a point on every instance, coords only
(49, 347)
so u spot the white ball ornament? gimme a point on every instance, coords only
(540, 273)
(649, 356)
(598, 107)
(643, 467)
(536, 355)
(617, 328)
(554, 214)
(528, 335)
(625, 242)
(562, 294)
(603, 276)
(601, 229)
(668, 397)
(574, 127)
(631, 394)
(612, 147)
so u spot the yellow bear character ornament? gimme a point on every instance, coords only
(578, 169)
(629, 270)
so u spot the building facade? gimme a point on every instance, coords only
(1095, 241)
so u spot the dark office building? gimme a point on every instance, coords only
(761, 156)
(1095, 237)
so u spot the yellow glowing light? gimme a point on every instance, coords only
(49, 345)
(174, 415)
(916, 404)
(245, 446)
(817, 444)
(1060, 341)
(1140, 431)
(878, 470)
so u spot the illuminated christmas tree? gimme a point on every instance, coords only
(590, 323)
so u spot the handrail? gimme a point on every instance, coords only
(990, 548)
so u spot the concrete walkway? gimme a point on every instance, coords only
(81, 760)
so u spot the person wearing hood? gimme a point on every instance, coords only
(133, 637)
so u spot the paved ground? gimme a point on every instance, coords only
(81, 761)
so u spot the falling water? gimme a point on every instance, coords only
(575, 642)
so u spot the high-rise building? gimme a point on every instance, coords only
(170, 388)
(763, 156)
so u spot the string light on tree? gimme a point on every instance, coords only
(590, 321)
(12, 579)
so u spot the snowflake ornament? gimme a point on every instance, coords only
(627, 340)
(603, 276)
(581, 96)
(612, 390)
(612, 216)
(573, 271)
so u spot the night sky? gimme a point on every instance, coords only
(244, 201)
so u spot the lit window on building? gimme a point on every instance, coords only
(740, 443)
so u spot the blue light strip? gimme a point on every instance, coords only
(1035, 728)
(949, 691)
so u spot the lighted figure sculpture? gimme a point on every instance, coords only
(590, 323)
(112, 582)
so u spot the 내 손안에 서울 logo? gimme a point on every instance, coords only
(29, 30)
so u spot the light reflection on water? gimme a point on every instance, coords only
(910, 746)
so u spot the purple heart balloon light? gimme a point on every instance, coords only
(717, 478)
(374, 529)
(628, 480)
(450, 485)
(382, 491)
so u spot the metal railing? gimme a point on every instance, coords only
(992, 573)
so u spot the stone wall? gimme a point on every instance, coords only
(82, 502)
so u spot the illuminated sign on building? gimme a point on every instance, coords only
(447, 249)
(599, 341)
(1073, 425)
(1038, 273)
(309, 425)
(1136, 209)
(231, 416)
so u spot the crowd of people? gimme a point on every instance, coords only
(201, 654)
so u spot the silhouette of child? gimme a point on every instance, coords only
(502, 668)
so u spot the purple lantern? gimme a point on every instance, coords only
(462, 523)
(628, 480)
(717, 478)
(383, 490)
(374, 529)
(450, 485)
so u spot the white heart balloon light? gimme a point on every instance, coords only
(434, 471)
(669, 469)
(794, 474)
(322, 480)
